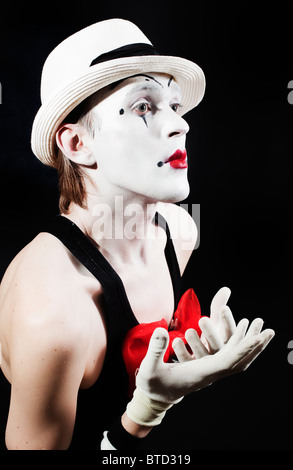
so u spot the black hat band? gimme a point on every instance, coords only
(130, 50)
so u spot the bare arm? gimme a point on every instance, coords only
(46, 372)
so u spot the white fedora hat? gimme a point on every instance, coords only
(93, 58)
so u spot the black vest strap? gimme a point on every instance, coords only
(120, 317)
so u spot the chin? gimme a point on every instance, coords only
(177, 194)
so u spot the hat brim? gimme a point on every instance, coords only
(54, 110)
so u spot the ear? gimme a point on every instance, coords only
(73, 140)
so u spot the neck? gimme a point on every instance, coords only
(121, 226)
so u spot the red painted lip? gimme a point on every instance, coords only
(178, 159)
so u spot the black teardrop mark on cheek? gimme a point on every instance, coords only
(159, 164)
(121, 111)
(144, 120)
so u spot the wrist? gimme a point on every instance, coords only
(145, 411)
(136, 430)
(124, 434)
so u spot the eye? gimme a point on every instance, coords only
(175, 107)
(142, 108)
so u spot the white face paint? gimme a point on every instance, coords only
(139, 130)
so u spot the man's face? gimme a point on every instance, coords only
(138, 130)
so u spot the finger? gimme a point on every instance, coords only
(239, 332)
(265, 337)
(241, 352)
(181, 351)
(220, 299)
(227, 326)
(211, 334)
(197, 347)
(255, 327)
(157, 347)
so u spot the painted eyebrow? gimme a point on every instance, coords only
(141, 87)
(148, 76)
(115, 84)
(174, 85)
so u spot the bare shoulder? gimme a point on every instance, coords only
(43, 266)
(183, 230)
(42, 252)
(38, 304)
(37, 272)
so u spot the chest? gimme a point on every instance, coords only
(149, 291)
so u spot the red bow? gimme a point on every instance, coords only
(136, 341)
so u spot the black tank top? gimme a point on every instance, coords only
(101, 404)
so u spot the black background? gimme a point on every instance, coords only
(240, 170)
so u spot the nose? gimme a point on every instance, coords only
(175, 125)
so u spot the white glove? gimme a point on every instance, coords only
(160, 384)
